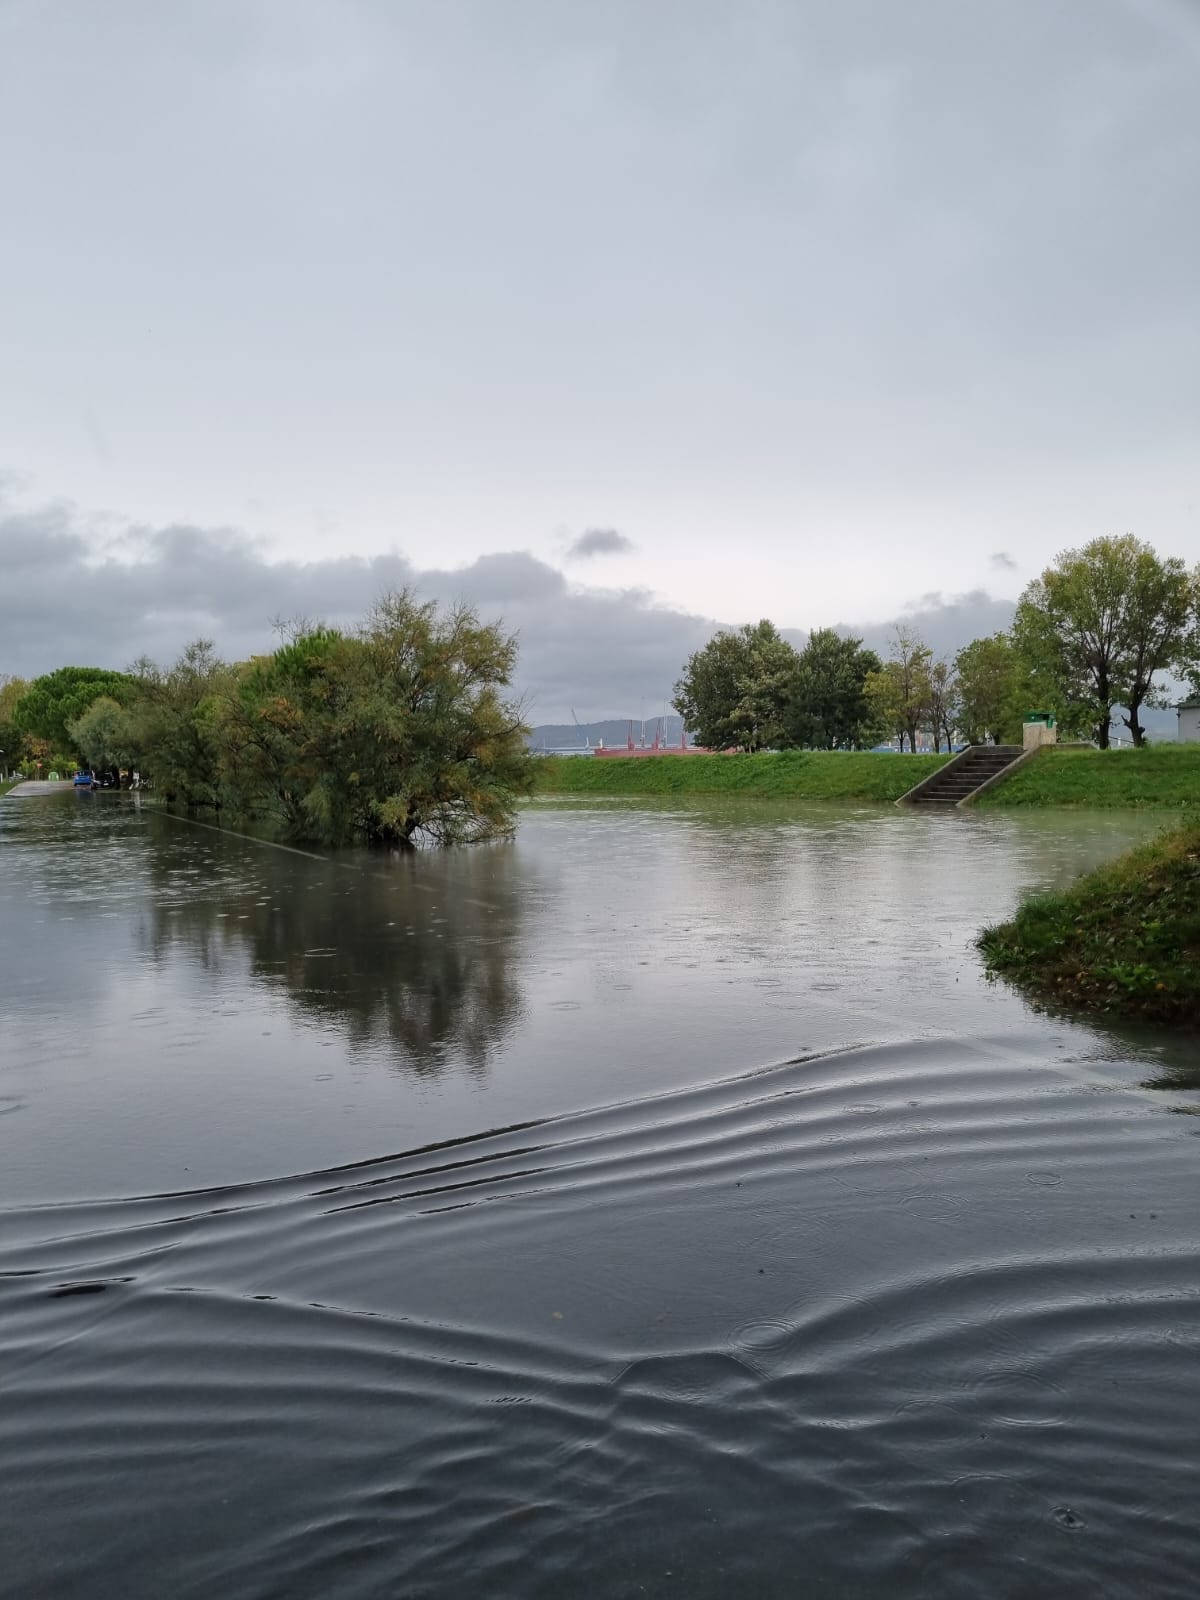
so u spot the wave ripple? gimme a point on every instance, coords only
(899, 1321)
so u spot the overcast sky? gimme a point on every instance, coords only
(638, 313)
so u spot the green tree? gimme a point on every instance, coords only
(1100, 624)
(173, 719)
(12, 739)
(1162, 602)
(105, 736)
(398, 734)
(990, 674)
(52, 702)
(901, 692)
(945, 704)
(737, 689)
(828, 707)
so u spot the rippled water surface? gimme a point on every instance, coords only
(660, 1205)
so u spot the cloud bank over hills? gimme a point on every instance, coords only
(67, 596)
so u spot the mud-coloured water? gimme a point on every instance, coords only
(662, 1204)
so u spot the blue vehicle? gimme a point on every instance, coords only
(85, 780)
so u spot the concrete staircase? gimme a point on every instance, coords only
(959, 779)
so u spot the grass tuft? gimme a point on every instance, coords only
(1124, 939)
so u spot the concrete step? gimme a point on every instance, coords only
(969, 774)
(960, 789)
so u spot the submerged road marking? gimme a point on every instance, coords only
(231, 833)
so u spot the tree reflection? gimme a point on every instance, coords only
(414, 956)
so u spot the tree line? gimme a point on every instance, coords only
(397, 733)
(1105, 626)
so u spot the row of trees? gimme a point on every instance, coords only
(1105, 626)
(749, 689)
(398, 733)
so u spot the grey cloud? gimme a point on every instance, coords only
(601, 652)
(1003, 562)
(511, 577)
(62, 603)
(591, 649)
(945, 623)
(598, 542)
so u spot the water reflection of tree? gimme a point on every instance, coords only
(412, 956)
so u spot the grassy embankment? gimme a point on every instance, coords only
(9, 783)
(1123, 940)
(1162, 775)
(793, 774)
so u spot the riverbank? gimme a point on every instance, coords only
(1124, 939)
(802, 774)
(1162, 775)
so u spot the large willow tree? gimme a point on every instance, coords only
(398, 734)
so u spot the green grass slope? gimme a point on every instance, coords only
(1124, 939)
(803, 774)
(1166, 775)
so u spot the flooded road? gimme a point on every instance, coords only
(663, 1204)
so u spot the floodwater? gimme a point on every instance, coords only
(662, 1204)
